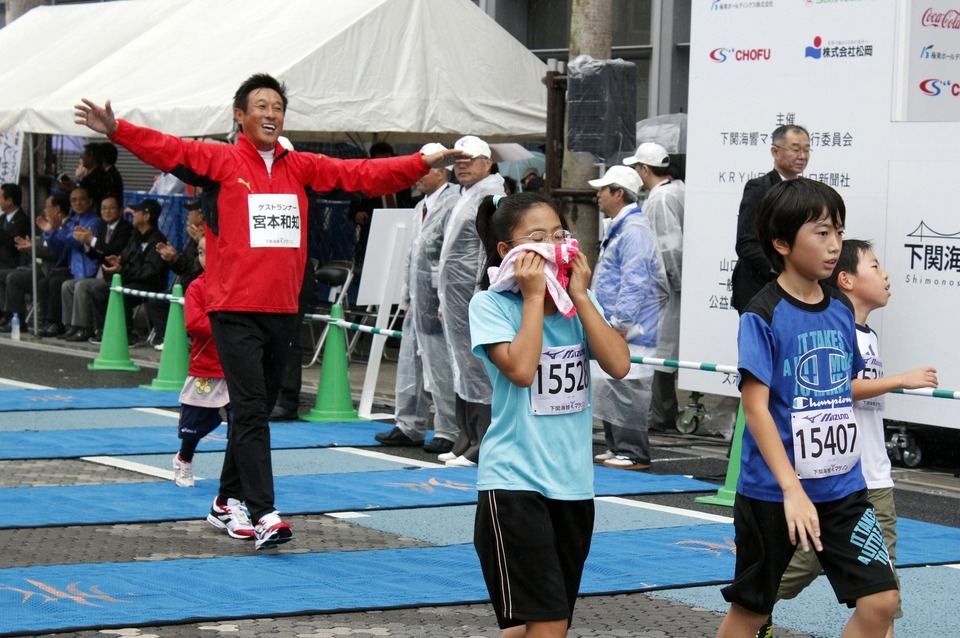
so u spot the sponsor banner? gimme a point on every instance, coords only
(928, 76)
(923, 263)
(11, 152)
(833, 73)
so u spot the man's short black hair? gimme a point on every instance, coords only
(851, 253)
(258, 81)
(780, 133)
(14, 192)
(109, 153)
(62, 202)
(95, 151)
(791, 204)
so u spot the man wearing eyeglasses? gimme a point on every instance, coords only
(630, 283)
(791, 152)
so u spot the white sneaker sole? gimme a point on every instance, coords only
(275, 540)
(216, 522)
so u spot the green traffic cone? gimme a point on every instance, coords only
(175, 358)
(726, 494)
(114, 349)
(334, 402)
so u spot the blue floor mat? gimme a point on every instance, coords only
(139, 440)
(86, 398)
(73, 597)
(303, 494)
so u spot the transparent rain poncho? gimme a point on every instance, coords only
(461, 264)
(420, 295)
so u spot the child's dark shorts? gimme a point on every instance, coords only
(532, 550)
(854, 555)
(197, 422)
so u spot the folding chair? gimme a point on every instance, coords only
(338, 275)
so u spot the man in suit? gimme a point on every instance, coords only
(791, 152)
(13, 223)
(111, 238)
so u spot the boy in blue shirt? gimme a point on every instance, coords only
(800, 480)
(859, 276)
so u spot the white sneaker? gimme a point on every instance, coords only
(606, 456)
(446, 456)
(271, 531)
(625, 463)
(460, 461)
(231, 517)
(182, 471)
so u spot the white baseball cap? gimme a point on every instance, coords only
(621, 175)
(434, 147)
(474, 146)
(651, 154)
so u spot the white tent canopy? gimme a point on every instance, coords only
(402, 68)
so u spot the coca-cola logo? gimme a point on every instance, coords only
(941, 19)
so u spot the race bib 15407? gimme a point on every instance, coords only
(825, 442)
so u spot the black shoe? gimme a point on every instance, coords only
(396, 437)
(280, 414)
(80, 335)
(4, 321)
(5, 328)
(57, 330)
(97, 336)
(438, 445)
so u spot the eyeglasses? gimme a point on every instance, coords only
(542, 236)
(795, 151)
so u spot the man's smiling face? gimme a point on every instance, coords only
(262, 121)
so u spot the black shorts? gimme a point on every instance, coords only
(854, 555)
(197, 422)
(532, 550)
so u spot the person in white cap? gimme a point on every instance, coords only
(461, 265)
(664, 209)
(630, 284)
(424, 375)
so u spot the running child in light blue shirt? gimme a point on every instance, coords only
(535, 481)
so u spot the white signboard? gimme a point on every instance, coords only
(833, 72)
(382, 246)
(11, 150)
(928, 76)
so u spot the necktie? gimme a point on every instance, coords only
(424, 210)
(106, 240)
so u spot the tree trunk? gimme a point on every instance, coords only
(16, 8)
(591, 33)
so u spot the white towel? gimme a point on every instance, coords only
(556, 271)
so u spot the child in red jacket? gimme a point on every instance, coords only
(205, 390)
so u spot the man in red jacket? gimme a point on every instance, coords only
(256, 250)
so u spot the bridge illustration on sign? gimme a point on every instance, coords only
(922, 231)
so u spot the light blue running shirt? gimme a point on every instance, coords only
(546, 453)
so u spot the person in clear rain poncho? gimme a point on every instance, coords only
(630, 283)
(461, 265)
(663, 208)
(424, 373)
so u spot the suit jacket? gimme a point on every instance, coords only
(18, 226)
(753, 269)
(118, 241)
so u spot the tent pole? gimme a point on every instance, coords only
(33, 224)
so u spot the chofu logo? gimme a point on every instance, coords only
(934, 87)
(739, 55)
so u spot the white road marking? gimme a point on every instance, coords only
(664, 508)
